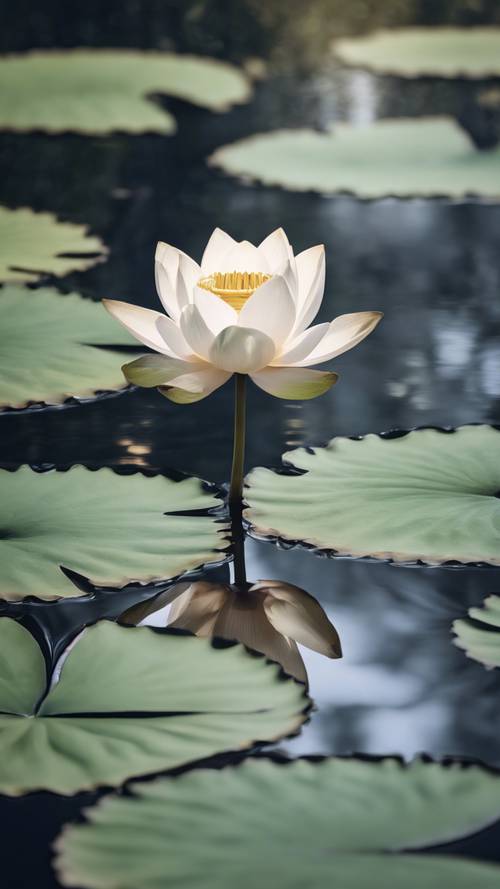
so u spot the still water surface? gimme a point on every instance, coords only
(430, 265)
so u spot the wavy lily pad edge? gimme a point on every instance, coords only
(232, 760)
(215, 161)
(268, 535)
(90, 591)
(425, 74)
(223, 758)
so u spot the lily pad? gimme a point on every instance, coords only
(416, 52)
(36, 244)
(55, 347)
(111, 528)
(126, 702)
(286, 826)
(427, 496)
(479, 635)
(401, 157)
(98, 91)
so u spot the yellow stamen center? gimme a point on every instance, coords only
(234, 287)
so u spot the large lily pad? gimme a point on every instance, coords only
(55, 347)
(129, 702)
(108, 527)
(402, 157)
(286, 826)
(36, 244)
(427, 496)
(413, 52)
(479, 635)
(98, 91)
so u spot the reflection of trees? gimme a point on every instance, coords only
(402, 686)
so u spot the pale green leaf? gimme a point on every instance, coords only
(286, 826)
(111, 528)
(34, 244)
(428, 495)
(97, 91)
(133, 701)
(53, 347)
(480, 635)
(434, 52)
(402, 157)
(22, 669)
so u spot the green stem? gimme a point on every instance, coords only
(237, 474)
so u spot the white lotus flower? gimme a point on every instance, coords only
(245, 310)
(269, 616)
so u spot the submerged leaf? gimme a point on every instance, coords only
(428, 496)
(108, 527)
(129, 702)
(53, 347)
(402, 157)
(293, 825)
(479, 636)
(98, 91)
(436, 52)
(36, 244)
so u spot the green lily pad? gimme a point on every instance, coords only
(401, 157)
(436, 52)
(55, 347)
(286, 826)
(36, 244)
(427, 496)
(111, 528)
(479, 636)
(131, 702)
(98, 91)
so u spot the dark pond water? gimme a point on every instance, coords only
(432, 266)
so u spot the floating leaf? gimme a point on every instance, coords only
(98, 91)
(427, 496)
(111, 528)
(436, 52)
(54, 347)
(480, 635)
(36, 244)
(300, 824)
(129, 702)
(403, 157)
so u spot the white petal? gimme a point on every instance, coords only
(173, 338)
(198, 607)
(343, 333)
(194, 386)
(218, 245)
(155, 370)
(270, 309)
(140, 322)
(301, 346)
(276, 249)
(241, 350)
(294, 382)
(244, 257)
(311, 270)
(196, 332)
(216, 313)
(242, 618)
(175, 274)
(298, 615)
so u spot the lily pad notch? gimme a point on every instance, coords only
(111, 528)
(35, 244)
(101, 91)
(125, 701)
(427, 496)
